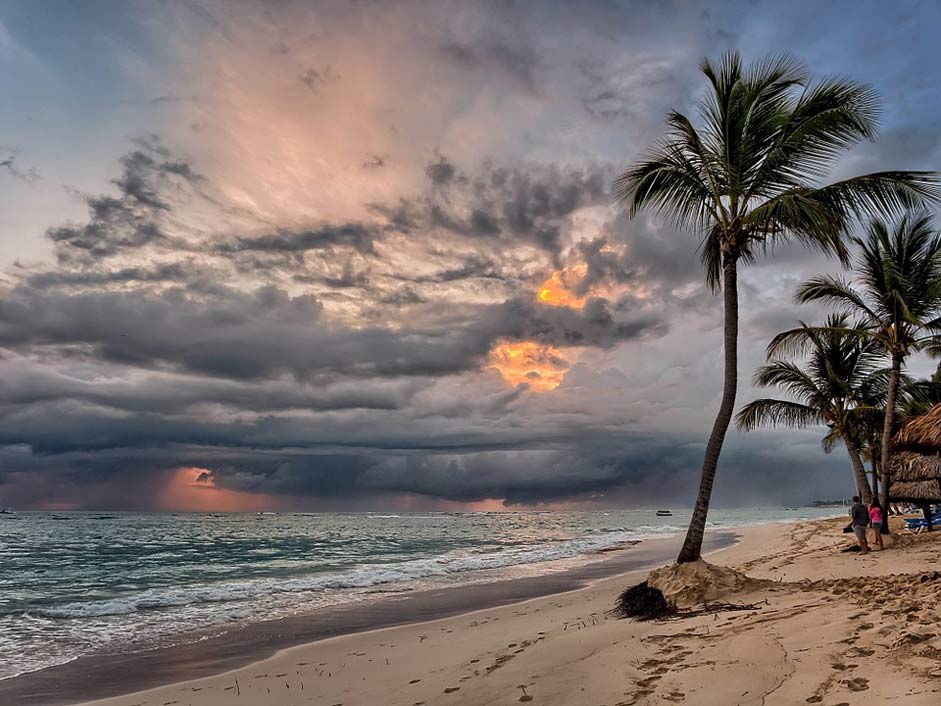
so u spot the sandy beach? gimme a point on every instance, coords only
(827, 627)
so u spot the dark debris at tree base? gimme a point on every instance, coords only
(642, 602)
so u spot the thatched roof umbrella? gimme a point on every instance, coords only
(915, 464)
(921, 433)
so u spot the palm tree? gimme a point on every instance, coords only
(899, 300)
(867, 421)
(748, 177)
(829, 389)
(914, 397)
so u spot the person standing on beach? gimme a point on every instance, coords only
(860, 521)
(875, 516)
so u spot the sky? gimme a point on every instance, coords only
(364, 255)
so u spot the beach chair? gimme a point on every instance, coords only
(919, 525)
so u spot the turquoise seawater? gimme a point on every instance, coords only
(74, 583)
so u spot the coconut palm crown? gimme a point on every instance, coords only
(833, 387)
(897, 296)
(750, 175)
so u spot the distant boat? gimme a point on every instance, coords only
(7, 511)
(664, 513)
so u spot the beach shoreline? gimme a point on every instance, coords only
(820, 625)
(99, 676)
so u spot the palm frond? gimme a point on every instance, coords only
(836, 292)
(890, 193)
(771, 412)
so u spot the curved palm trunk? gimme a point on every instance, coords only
(692, 545)
(887, 436)
(859, 470)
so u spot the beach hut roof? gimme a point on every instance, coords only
(922, 432)
(917, 491)
(911, 467)
(915, 464)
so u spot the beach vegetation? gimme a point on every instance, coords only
(897, 297)
(749, 174)
(837, 384)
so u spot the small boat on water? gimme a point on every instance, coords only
(664, 513)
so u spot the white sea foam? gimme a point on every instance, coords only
(455, 562)
(448, 564)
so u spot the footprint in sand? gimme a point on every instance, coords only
(857, 684)
(649, 681)
(452, 689)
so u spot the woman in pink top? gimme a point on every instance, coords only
(875, 518)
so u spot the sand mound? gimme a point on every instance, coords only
(697, 582)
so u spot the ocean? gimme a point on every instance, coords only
(75, 583)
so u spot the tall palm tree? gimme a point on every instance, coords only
(749, 176)
(829, 389)
(899, 299)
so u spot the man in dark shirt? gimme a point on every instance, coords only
(860, 515)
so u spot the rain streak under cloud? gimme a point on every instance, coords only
(357, 255)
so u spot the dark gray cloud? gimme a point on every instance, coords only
(358, 236)
(266, 333)
(593, 325)
(166, 272)
(133, 219)
(525, 204)
(440, 171)
(24, 385)
(633, 471)
(28, 175)
(473, 267)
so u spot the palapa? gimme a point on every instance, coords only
(915, 464)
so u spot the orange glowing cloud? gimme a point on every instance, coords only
(541, 367)
(557, 290)
(192, 489)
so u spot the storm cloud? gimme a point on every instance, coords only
(350, 264)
